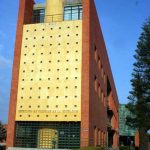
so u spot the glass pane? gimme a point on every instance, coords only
(42, 14)
(75, 14)
(38, 16)
(67, 15)
(39, 134)
(75, 7)
(67, 8)
(80, 14)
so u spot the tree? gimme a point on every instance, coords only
(139, 98)
(2, 133)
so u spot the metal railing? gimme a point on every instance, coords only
(71, 2)
(56, 18)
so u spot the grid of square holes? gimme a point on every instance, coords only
(50, 66)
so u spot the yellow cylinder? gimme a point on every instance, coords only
(54, 11)
(47, 138)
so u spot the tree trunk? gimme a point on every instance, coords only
(143, 139)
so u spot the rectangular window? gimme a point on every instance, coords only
(48, 135)
(80, 12)
(99, 63)
(102, 72)
(99, 91)
(95, 136)
(95, 55)
(95, 83)
(67, 13)
(73, 12)
(99, 137)
(102, 96)
(38, 15)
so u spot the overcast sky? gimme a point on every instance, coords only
(121, 22)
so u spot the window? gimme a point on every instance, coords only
(95, 54)
(102, 72)
(38, 15)
(99, 90)
(99, 63)
(104, 100)
(104, 78)
(95, 83)
(102, 96)
(95, 136)
(99, 136)
(26, 134)
(73, 12)
(102, 138)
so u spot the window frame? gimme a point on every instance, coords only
(70, 15)
(38, 15)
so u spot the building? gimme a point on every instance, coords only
(126, 132)
(63, 93)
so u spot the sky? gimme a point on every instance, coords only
(121, 22)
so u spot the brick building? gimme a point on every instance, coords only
(63, 93)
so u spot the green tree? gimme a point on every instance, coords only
(2, 132)
(139, 98)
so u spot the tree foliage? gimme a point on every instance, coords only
(2, 132)
(139, 98)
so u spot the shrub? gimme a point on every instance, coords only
(124, 148)
(92, 148)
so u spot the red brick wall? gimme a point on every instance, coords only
(24, 17)
(85, 75)
(94, 111)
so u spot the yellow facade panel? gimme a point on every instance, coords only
(50, 72)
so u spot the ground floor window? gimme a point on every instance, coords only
(47, 135)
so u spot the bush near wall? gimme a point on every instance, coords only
(92, 148)
(2, 147)
(126, 148)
